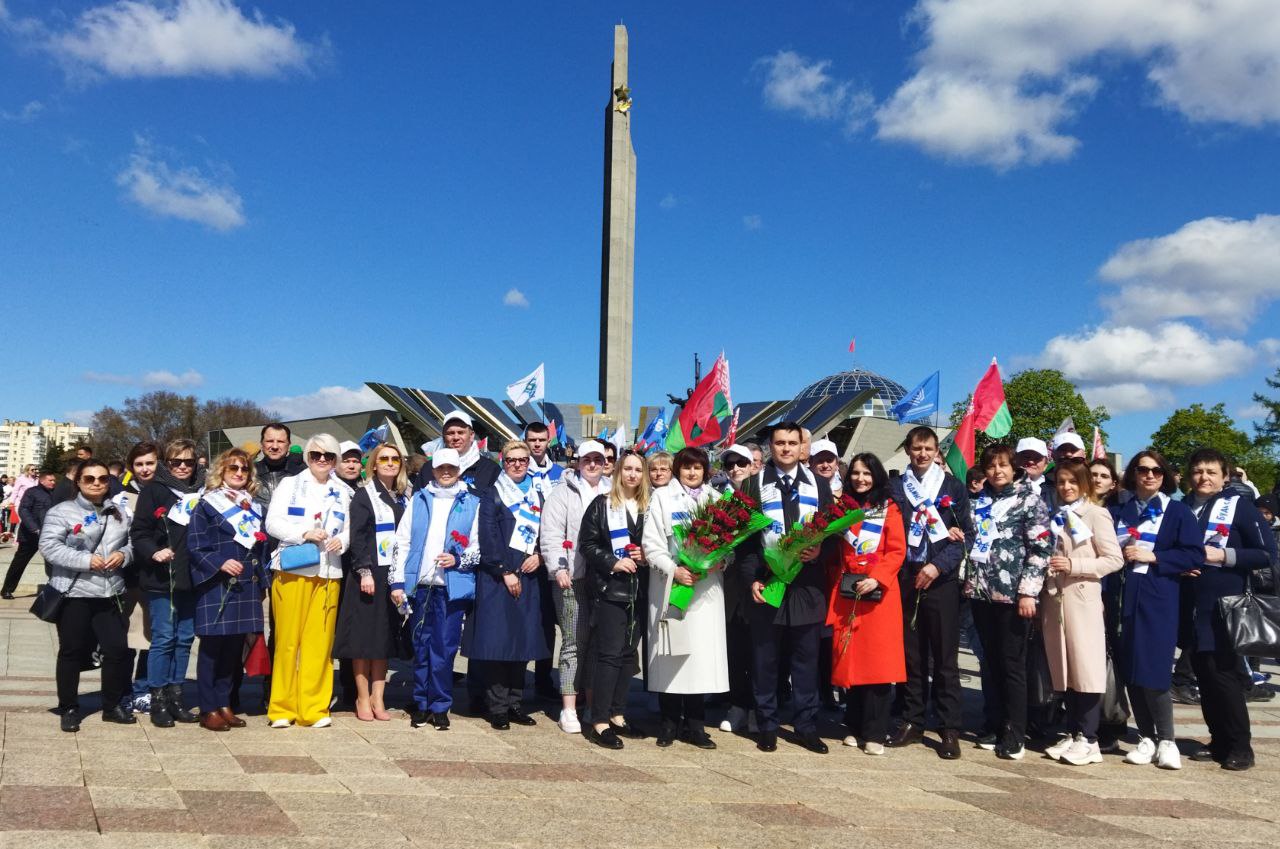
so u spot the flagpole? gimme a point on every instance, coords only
(938, 408)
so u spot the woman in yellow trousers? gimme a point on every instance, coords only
(308, 515)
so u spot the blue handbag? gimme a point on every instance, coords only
(460, 585)
(302, 556)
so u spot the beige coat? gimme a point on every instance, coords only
(1071, 606)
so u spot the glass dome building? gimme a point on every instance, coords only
(887, 392)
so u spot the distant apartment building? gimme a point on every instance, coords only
(24, 443)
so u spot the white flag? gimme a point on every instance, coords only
(619, 438)
(531, 387)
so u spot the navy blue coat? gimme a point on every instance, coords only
(1254, 545)
(946, 554)
(1149, 604)
(501, 627)
(211, 542)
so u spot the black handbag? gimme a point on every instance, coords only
(1252, 621)
(849, 587)
(49, 602)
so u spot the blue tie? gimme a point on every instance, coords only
(790, 492)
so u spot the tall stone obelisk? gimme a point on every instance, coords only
(618, 242)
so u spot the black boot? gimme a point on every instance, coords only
(160, 717)
(176, 710)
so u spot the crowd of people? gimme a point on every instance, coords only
(1074, 585)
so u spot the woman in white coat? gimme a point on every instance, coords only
(687, 656)
(308, 515)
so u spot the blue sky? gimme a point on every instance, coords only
(282, 200)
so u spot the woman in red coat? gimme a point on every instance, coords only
(866, 653)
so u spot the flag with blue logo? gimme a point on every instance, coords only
(920, 402)
(656, 432)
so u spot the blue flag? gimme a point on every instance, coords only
(920, 402)
(373, 437)
(656, 432)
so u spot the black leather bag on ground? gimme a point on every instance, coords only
(1252, 621)
(849, 588)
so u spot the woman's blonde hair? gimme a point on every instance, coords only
(218, 470)
(401, 486)
(511, 444)
(659, 457)
(617, 497)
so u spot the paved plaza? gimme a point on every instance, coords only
(386, 784)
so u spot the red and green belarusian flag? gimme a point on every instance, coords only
(988, 413)
(699, 421)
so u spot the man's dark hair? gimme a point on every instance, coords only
(789, 425)
(974, 475)
(288, 434)
(536, 427)
(918, 433)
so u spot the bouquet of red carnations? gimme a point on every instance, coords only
(783, 558)
(711, 532)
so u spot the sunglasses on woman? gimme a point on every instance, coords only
(92, 479)
(189, 462)
(736, 463)
(318, 456)
(236, 468)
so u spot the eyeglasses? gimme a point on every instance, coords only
(736, 463)
(516, 461)
(189, 462)
(325, 456)
(236, 468)
(92, 479)
(388, 460)
(1153, 471)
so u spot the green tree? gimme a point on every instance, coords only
(1196, 426)
(1268, 432)
(162, 416)
(1039, 400)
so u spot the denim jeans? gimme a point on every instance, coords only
(173, 630)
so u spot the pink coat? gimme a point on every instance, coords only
(1071, 606)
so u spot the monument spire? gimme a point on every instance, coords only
(618, 241)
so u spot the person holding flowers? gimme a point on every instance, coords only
(866, 607)
(227, 555)
(1071, 609)
(437, 532)
(308, 515)
(610, 542)
(687, 654)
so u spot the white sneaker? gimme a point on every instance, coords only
(322, 722)
(1143, 754)
(281, 723)
(851, 742)
(569, 723)
(726, 726)
(734, 720)
(1082, 752)
(873, 748)
(1064, 743)
(1167, 756)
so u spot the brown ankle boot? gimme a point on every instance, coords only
(230, 718)
(213, 721)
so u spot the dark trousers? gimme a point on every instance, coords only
(504, 685)
(614, 637)
(217, 660)
(542, 668)
(85, 621)
(932, 649)
(1184, 674)
(21, 557)
(1004, 643)
(1222, 689)
(1152, 712)
(738, 640)
(1084, 713)
(768, 641)
(866, 711)
(690, 708)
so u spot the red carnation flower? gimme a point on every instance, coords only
(747, 500)
(460, 539)
(160, 511)
(259, 536)
(631, 546)
(317, 517)
(1135, 533)
(76, 529)
(567, 545)
(246, 504)
(945, 501)
(1224, 530)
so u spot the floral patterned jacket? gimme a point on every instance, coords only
(1020, 548)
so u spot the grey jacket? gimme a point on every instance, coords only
(561, 521)
(73, 532)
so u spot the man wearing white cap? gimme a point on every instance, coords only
(438, 531)
(561, 519)
(824, 460)
(479, 473)
(350, 465)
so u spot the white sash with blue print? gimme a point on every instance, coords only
(771, 496)
(1149, 522)
(384, 524)
(245, 523)
(527, 510)
(1224, 513)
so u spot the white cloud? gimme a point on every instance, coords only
(1120, 398)
(1253, 412)
(182, 38)
(669, 201)
(325, 401)
(795, 83)
(182, 193)
(1173, 353)
(752, 222)
(1217, 269)
(515, 298)
(29, 111)
(1019, 71)
(161, 379)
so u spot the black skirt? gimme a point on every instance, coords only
(367, 624)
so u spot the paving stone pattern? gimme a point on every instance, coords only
(386, 784)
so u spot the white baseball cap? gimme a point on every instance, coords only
(741, 450)
(445, 457)
(1068, 438)
(347, 447)
(591, 447)
(822, 446)
(458, 416)
(1030, 443)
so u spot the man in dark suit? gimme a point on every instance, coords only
(479, 473)
(930, 586)
(787, 492)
